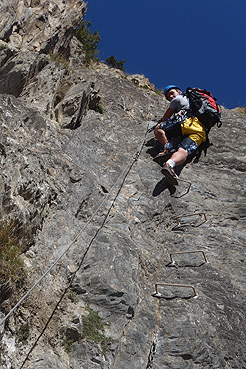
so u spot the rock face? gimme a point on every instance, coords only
(94, 212)
(39, 25)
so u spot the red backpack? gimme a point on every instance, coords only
(204, 106)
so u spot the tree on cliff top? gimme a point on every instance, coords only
(89, 40)
(114, 63)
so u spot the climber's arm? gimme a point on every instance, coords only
(169, 112)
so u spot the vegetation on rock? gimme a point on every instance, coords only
(23, 333)
(60, 59)
(89, 40)
(241, 109)
(67, 344)
(11, 264)
(93, 329)
(114, 63)
(99, 108)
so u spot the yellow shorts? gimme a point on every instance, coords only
(194, 129)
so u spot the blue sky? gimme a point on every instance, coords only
(184, 42)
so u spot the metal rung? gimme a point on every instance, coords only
(187, 252)
(183, 180)
(184, 193)
(190, 215)
(174, 285)
(187, 190)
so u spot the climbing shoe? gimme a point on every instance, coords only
(162, 157)
(171, 176)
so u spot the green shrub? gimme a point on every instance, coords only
(114, 63)
(89, 40)
(73, 297)
(11, 264)
(99, 108)
(159, 92)
(67, 344)
(93, 329)
(23, 333)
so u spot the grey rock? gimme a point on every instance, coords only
(40, 25)
(83, 185)
(2, 316)
(74, 106)
(48, 361)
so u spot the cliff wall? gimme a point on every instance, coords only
(94, 211)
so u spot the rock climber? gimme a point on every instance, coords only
(177, 123)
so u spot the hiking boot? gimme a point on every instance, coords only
(162, 157)
(171, 176)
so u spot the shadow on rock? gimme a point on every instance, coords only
(161, 186)
(155, 147)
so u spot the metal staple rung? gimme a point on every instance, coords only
(187, 190)
(189, 215)
(188, 252)
(176, 285)
(183, 180)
